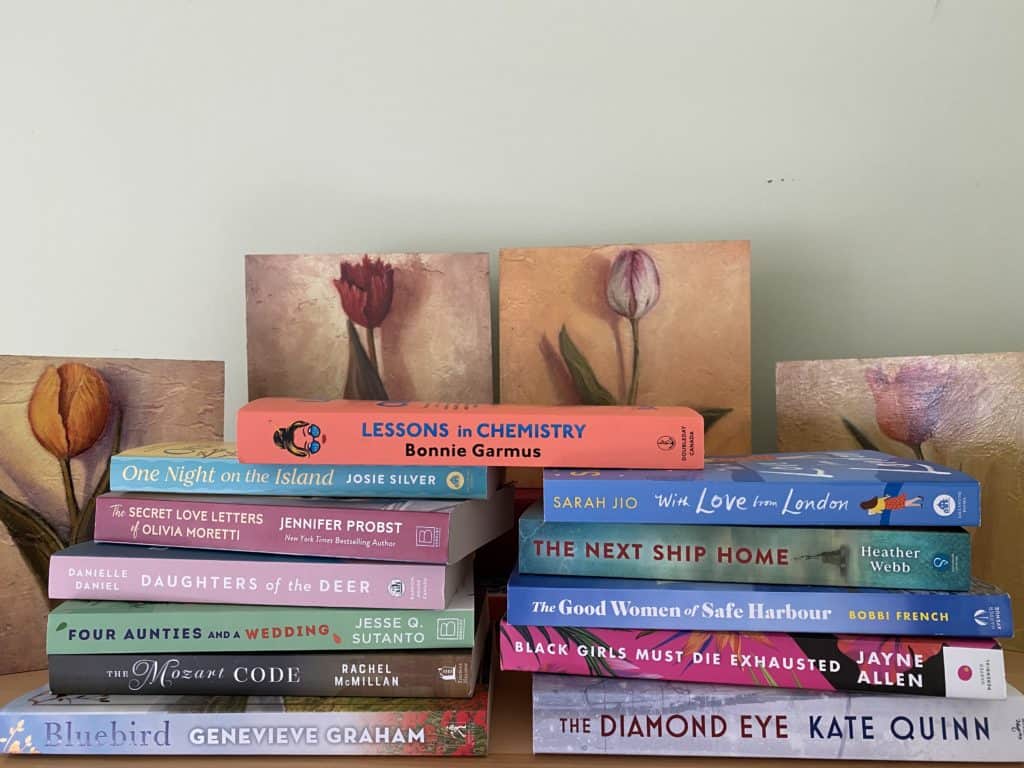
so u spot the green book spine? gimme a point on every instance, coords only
(886, 558)
(104, 627)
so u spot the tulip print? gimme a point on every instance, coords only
(366, 290)
(907, 403)
(634, 287)
(68, 412)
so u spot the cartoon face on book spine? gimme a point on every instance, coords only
(300, 438)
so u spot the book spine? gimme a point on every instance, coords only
(941, 614)
(451, 731)
(400, 433)
(647, 717)
(234, 628)
(414, 674)
(891, 665)
(849, 557)
(339, 584)
(159, 474)
(182, 521)
(608, 500)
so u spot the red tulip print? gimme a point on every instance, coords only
(366, 290)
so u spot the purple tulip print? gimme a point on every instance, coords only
(632, 290)
(634, 287)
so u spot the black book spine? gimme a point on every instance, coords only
(401, 674)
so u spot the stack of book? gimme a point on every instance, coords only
(218, 581)
(844, 577)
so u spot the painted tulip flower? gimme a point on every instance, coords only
(634, 284)
(366, 290)
(68, 412)
(68, 409)
(907, 405)
(634, 287)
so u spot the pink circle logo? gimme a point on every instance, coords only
(964, 672)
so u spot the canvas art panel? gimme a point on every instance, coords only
(963, 411)
(655, 324)
(395, 326)
(61, 419)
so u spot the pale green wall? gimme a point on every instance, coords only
(872, 150)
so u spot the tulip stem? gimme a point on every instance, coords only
(634, 382)
(69, 492)
(371, 348)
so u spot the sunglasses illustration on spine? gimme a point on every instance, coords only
(300, 438)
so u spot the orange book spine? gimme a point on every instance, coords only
(283, 430)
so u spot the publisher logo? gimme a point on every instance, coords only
(428, 536)
(944, 505)
(941, 561)
(1018, 728)
(666, 442)
(451, 629)
(396, 588)
(981, 617)
(455, 480)
(446, 672)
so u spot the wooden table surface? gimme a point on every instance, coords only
(511, 740)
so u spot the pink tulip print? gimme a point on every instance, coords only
(962, 411)
(909, 403)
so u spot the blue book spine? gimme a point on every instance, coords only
(715, 607)
(214, 468)
(848, 488)
(141, 724)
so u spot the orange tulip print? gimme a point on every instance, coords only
(62, 419)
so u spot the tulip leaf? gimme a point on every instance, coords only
(362, 382)
(35, 538)
(862, 440)
(712, 415)
(585, 380)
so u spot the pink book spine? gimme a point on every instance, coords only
(170, 579)
(960, 668)
(316, 531)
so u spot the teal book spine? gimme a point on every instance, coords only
(885, 558)
(213, 468)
